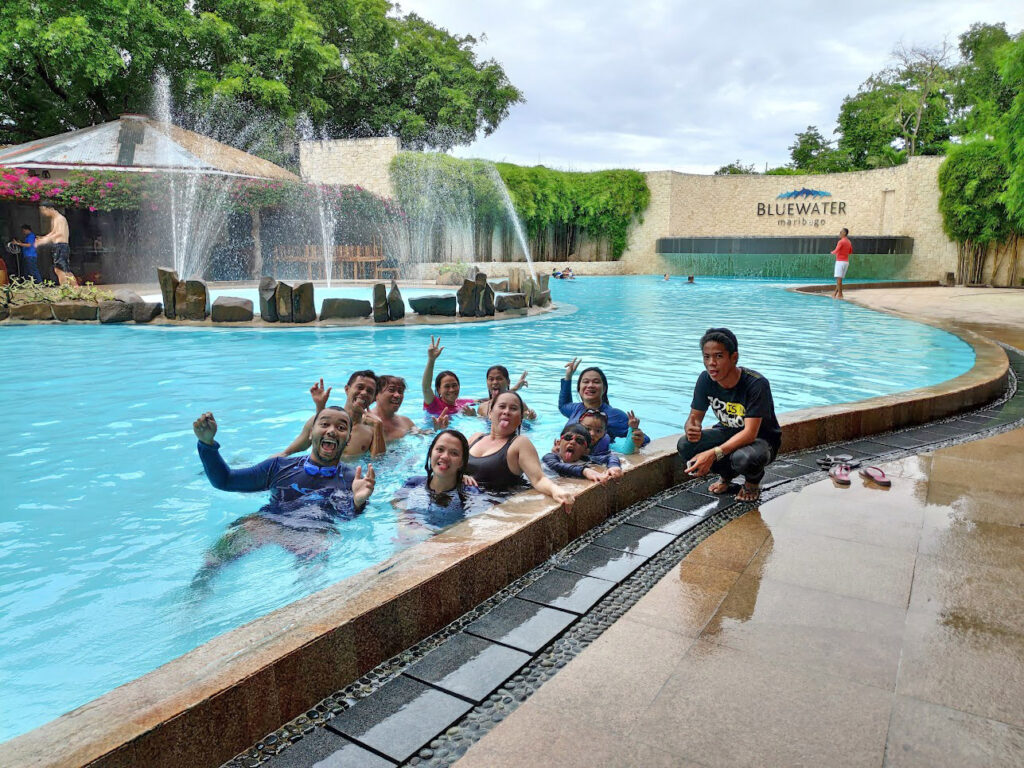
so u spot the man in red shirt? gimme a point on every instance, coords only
(842, 253)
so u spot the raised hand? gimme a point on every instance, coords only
(467, 410)
(435, 349)
(522, 382)
(638, 437)
(320, 395)
(571, 366)
(205, 428)
(442, 421)
(632, 421)
(362, 487)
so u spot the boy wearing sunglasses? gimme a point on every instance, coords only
(571, 457)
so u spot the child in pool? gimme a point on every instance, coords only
(571, 457)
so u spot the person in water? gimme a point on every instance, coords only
(390, 396)
(366, 435)
(442, 496)
(498, 381)
(571, 457)
(592, 386)
(308, 494)
(596, 423)
(498, 459)
(443, 400)
(747, 436)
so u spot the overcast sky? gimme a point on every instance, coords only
(689, 86)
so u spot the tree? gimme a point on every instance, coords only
(812, 153)
(899, 112)
(1010, 133)
(735, 168)
(971, 181)
(980, 95)
(352, 67)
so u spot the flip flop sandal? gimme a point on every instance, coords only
(827, 461)
(876, 476)
(840, 474)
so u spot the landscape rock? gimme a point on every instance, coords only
(542, 299)
(500, 286)
(5, 312)
(75, 310)
(468, 298)
(39, 310)
(114, 312)
(283, 302)
(178, 302)
(168, 280)
(229, 309)
(442, 304)
(486, 301)
(529, 291)
(542, 281)
(345, 309)
(303, 306)
(197, 301)
(506, 301)
(128, 297)
(515, 280)
(380, 303)
(396, 305)
(147, 311)
(268, 304)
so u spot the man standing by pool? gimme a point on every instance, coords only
(842, 253)
(747, 436)
(58, 237)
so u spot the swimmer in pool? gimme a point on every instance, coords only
(390, 396)
(571, 457)
(442, 496)
(308, 494)
(498, 381)
(366, 435)
(443, 400)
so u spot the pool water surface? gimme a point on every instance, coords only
(105, 512)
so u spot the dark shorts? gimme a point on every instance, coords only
(62, 257)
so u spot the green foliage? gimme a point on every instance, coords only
(603, 203)
(736, 168)
(24, 291)
(355, 69)
(980, 95)
(1011, 132)
(971, 181)
(812, 153)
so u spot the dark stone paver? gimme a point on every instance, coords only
(635, 540)
(400, 717)
(902, 440)
(694, 503)
(522, 624)
(468, 666)
(783, 467)
(602, 563)
(326, 749)
(566, 590)
(664, 519)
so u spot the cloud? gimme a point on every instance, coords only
(656, 84)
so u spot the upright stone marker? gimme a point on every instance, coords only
(303, 305)
(168, 280)
(197, 300)
(268, 303)
(468, 300)
(283, 302)
(380, 303)
(396, 305)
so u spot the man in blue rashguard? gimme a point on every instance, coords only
(308, 494)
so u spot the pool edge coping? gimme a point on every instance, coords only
(246, 682)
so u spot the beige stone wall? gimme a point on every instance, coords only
(890, 201)
(350, 161)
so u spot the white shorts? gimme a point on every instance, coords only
(841, 267)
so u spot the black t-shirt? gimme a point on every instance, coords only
(750, 398)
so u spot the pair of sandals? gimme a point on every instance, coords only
(839, 468)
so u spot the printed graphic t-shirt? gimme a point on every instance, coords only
(750, 398)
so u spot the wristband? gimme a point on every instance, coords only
(719, 453)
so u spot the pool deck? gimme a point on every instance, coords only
(828, 627)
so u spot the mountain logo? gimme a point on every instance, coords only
(805, 192)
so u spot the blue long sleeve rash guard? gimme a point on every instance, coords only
(618, 421)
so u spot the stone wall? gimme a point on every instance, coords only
(350, 161)
(889, 201)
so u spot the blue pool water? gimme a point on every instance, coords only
(105, 512)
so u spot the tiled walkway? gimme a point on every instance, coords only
(830, 627)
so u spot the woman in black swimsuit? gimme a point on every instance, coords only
(498, 459)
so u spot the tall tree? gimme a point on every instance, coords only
(1010, 134)
(813, 153)
(353, 66)
(980, 94)
(736, 168)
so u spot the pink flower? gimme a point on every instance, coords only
(34, 197)
(75, 198)
(10, 177)
(89, 180)
(92, 208)
(34, 181)
(109, 185)
(20, 171)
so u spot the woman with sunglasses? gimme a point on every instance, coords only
(592, 386)
(498, 459)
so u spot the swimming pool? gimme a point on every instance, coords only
(105, 512)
